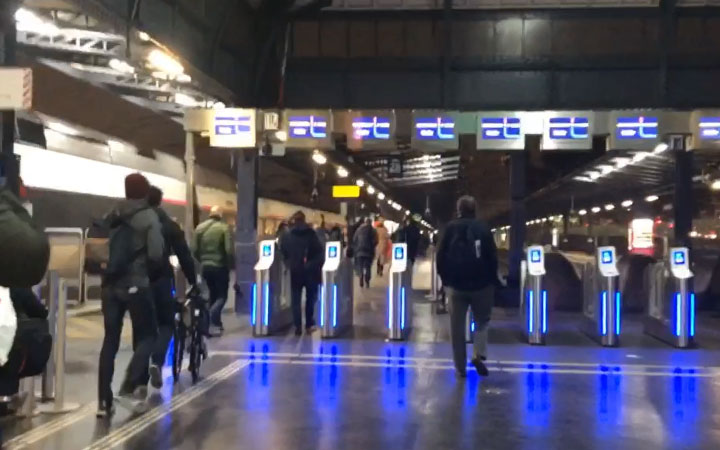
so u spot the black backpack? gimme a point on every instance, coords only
(464, 255)
(120, 251)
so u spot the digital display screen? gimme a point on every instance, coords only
(371, 128)
(638, 127)
(332, 252)
(399, 253)
(606, 257)
(434, 128)
(679, 258)
(500, 128)
(535, 256)
(266, 250)
(569, 128)
(232, 125)
(709, 127)
(308, 127)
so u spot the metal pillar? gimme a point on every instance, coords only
(9, 165)
(683, 209)
(247, 166)
(189, 185)
(518, 166)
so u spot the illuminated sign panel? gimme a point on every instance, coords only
(349, 191)
(367, 128)
(399, 253)
(637, 127)
(500, 128)
(233, 128)
(434, 128)
(535, 256)
(574, 128)
(679, 257)
(308, 127)
(709, 127)
(266, 250)
(606, 257)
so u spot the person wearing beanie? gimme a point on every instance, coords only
(136, 245)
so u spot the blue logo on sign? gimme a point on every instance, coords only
(679, 258)
(569, 128)
(435, 128)
(500, 128)
(371, 128)
(639, 127)
(302, 127)
(233, 125)
(710, 127)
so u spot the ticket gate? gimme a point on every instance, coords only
(671, 309)
(601, 298)
(399, 302)
(336, 292)
(533, 296)
(469, 326)
(271, 307)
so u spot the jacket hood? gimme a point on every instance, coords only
(124, 210)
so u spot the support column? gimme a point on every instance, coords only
(247, 169)
(683, 208)
(518, 169)
(189, 185)
(9, 164)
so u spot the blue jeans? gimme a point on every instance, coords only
(218, 282)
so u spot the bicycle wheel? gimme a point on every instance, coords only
(195, 354)
(179, 350)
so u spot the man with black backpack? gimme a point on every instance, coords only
(135, 246)
(467, 264)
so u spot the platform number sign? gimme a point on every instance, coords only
(308, 127)
(572, 128)
(233, 128)
(435, 128)
(636, 127)
(500, 128)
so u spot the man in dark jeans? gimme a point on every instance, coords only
(304, 257)
(213, 247)
(364, 242)
(161, 279)
(467, 265)
(129, 290)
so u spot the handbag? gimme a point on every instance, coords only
(8, 325)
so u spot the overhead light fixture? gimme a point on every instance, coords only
(715, 185)
(637, 157)
(595, 209)
(319, 158)
(407, 212)
(185, 100)
(593, 175)
(143, 36)
(360, 182)
(341, 171)
(162, 61)
(651, 198)
(217, 105)
(29, 22)
(627, 203)
(183, 78)
(622, 162)
(609, 207)
(381, 196)
(121, 66)
(62, 128)
(583, 178)
(370, 189)
(661, 147)
(605, 169)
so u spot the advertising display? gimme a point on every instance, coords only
(640, 237)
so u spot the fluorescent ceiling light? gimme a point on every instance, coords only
(595, 209)
(341, 171)
(627, 203)
(319, 158)
(371, 190)
(661, 147)
(360, 182)
(28, 21)
(651, 198)
(381, 196)
(162, 61)
(609, 207)
(121, 66)
(143, 36)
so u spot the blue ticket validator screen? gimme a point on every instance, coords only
(606, 257)
(535, 256)
(332, 252)
(266, 250)
(399, 253)
(679, 257)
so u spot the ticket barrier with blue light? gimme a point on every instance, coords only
(469, 326)
(336, 292)
(671, 307)
(602, 305)
(399, 302)
(533, 296)
(271, 308)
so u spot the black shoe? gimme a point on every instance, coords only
(298, 331)
(156, 376)
(482, 370)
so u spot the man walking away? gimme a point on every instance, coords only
(467, 265)
(162, 282)
(135, 244)
(304, 256)
(213, 247)
(364, 242)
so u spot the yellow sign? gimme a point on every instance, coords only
(349, 191)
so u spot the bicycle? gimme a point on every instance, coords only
(191, 320)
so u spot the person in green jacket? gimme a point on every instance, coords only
(213, 248)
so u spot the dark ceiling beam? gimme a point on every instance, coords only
(218, 33)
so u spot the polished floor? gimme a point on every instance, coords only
(360, 392)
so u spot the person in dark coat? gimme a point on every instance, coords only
(364, 241)
(304, 256)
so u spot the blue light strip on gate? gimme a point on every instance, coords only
(253, 315)
(402, 308)
(334, 305)
(617, 313)
(603, 324)
(322, 305)
(267, 304)
(692, 314)
(544, 308)
(530, 314)
(678, 316)
(472, 326)
(390, 308)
